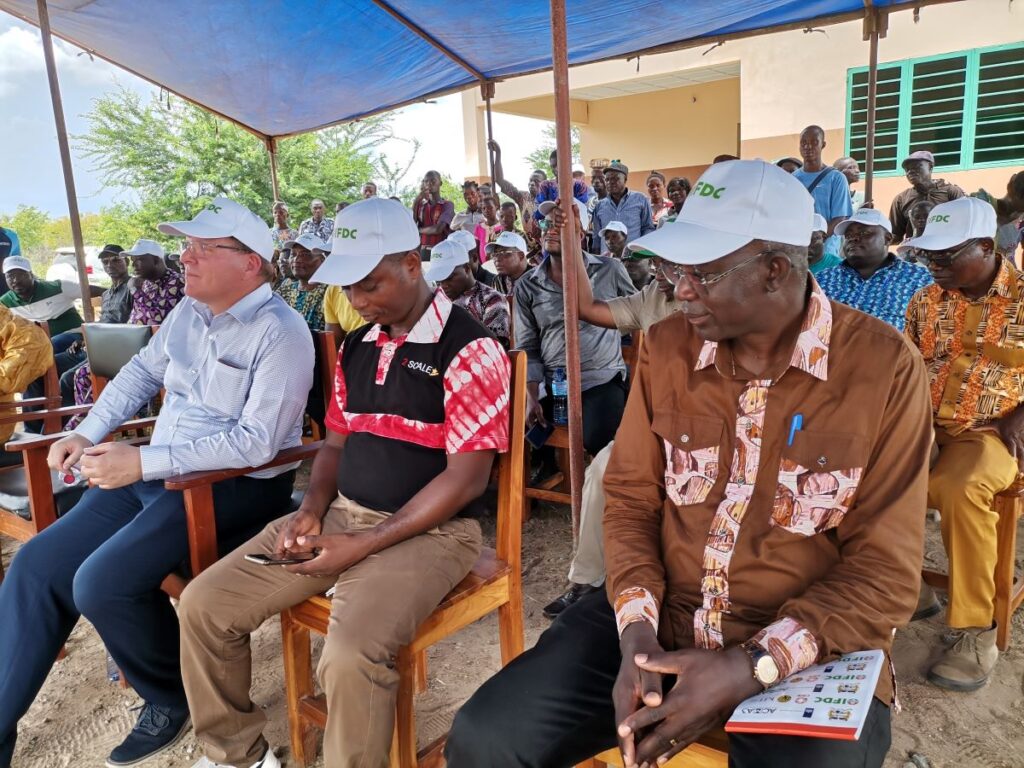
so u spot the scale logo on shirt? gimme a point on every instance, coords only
(415, 365)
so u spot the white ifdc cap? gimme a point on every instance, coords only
(820, 225)
(444, 258)
(223, 217)
(309, 241)
(956, 222)
(733, 203)
(869, 217)
(507, 239)
(145, 247)
(16, 262)
(614, 226)
(364, 233)
(464, 238)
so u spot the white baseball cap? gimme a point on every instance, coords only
(733, 203)
(444, 258)
(614, 226)
(820, 225)
(869, 217)
(546, 207)
(223, 217)
(464, 238)
(309, 241)
(145, 247)
(16, 262)
(364, 233)
(949, 224)
(507, 239)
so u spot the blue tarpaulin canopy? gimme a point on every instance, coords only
(281, 67)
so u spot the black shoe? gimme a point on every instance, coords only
(157, 730)
(574, 593)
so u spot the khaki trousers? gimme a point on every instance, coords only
(972, 468)
(587, 565)
(377, 606)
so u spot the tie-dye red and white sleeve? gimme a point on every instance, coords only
(476, 395)
(336, 420)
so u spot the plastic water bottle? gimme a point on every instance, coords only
(113, 673)
(559, 397)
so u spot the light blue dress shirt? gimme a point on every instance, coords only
(236, 386)
(633, 210)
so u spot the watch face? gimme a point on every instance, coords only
(767, 670)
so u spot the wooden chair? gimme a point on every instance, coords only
(495, 583)
(631, 352)
(710, 751)
(1009, 505)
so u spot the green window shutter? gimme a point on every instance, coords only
(937, 104)
(999, 121)
(887, 117)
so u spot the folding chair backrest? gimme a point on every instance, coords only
(111, 346)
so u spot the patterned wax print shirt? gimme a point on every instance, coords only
(884, 295)
(324, 229)
(973, 350)
(724, 524)
(490, 308)
(309, 304)
(153, 300)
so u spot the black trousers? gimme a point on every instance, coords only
(602, 411)
(552, 708)
(105, 560)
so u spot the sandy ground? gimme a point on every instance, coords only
(79, 716)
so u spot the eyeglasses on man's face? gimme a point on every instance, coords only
(944, 258)
(676, 272)
(206, 249)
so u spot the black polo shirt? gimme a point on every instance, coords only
(406, 404)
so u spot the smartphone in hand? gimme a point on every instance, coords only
(260, 559)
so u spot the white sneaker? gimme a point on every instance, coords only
(269, 760)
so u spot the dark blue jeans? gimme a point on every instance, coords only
(105, 560)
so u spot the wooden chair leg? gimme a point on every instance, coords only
(510, 626)
(298, 681)
(405, 715)
(1006, 541)
(420, 662)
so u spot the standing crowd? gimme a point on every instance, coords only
(813, 376)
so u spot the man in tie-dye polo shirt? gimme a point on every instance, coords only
(764, 508)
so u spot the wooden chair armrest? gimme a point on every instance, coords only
(44, 441)
(31, 401)
(67, 411)
(208, 477)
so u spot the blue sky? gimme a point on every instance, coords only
(30, 160)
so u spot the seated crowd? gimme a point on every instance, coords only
(757, 484)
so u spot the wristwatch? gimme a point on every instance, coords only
(766, 671)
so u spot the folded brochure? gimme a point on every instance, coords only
(828, 701)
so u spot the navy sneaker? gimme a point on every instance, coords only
(157, 730)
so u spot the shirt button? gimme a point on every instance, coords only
(822, 461)
(684, 438)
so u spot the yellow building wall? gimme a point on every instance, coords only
(671, 129)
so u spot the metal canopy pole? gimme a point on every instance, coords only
(272, 152)
(875, 24)
(65, 159)
(570, 245)
(488, 91)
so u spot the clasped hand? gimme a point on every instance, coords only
(652, 726)
(334, 553)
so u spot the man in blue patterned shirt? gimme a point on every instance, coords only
(235, 363)
(870, 278)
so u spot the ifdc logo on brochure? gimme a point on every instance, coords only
(828, 701)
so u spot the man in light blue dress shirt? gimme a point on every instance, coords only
(236, 364)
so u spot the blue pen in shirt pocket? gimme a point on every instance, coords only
(796, 424)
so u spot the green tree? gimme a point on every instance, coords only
(31, 225)
(538, 159)
(176, 157)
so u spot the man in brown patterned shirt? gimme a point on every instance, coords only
(967, 325)
(765, 503)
